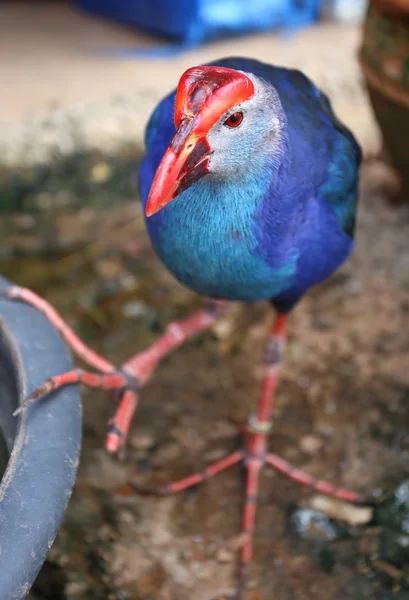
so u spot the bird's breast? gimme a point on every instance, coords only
(209, 244)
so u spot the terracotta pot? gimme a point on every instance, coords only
(384, 60)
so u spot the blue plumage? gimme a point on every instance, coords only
(276, 229)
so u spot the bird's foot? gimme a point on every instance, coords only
(121, 382)
(254, 457)
(124, 383)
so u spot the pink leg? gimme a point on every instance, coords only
(253, 466)
(303, 478)
(217, 467)
(112, 381)
(260, 425)
(139, 369)
(142, 365)
(255, 456)
(258, 428)
(118, 426)
(91, 358)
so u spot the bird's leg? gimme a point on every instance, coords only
(303, 478)
(258, 428)
(274, 351)
(84, 352)
(213, 469)
(142, 365)
(255, 455)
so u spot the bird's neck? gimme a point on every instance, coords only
(244, 192)
(218, 214)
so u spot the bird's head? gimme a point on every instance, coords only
(223, 119)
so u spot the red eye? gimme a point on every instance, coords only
(234, 120)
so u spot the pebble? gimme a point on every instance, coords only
(310, 444)
(100, 172)
(223, 329)
(142, 440)
(394, 547)
(76, 588)
(342, 511)
(311, 524)
(24, 222)
(135, 309)
(44, 200)
(109, 268)
(394, 510)
(224, 555)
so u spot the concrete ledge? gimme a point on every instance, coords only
(61, 93)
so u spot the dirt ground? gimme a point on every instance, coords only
(342, 414)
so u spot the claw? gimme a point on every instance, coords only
(117, 380)
(7, 292)
(121, 422)
(43, 390)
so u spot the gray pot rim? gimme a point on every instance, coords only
(40, 474)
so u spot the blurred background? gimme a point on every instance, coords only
(79, 81)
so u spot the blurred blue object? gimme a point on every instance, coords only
(344, 11)
(191, 22)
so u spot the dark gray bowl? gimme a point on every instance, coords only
(41, 448)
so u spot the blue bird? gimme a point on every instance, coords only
(272, 211)
(249, 185)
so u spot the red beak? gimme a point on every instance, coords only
(185, 161)
(204, 94)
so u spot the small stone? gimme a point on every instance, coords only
(394, 547)
(24, 222)
(223, 329)
(64, 198)
(44, 200)
(310, 444)
(303, 382)
(76, 588)
(86, 215)
(393, 512)
(311, 524)
(224, 555)
(354, 286)
(100, 172)
(135, 310)
(129, 282)
(142, 440)
(342, 511)
(109, 268)
(126, 517)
